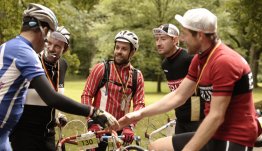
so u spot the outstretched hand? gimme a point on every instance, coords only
(129, 118)
(105, 119)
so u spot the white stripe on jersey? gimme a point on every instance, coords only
(11, 74)
(12, 103)
(103, 98)
(32, 97)
(2, 56)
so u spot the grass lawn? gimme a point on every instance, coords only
(73, 89)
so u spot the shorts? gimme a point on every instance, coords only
(23, 140)
(184, 127)
(180, 140)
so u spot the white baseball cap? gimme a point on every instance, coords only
(198, 19)
(167, 29)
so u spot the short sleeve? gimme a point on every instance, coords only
(224, 74)
(29, 64)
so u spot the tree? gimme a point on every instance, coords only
(140, 17)
(77, 17)
(247, 20)
(11, 18)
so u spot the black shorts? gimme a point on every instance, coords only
(184, 127)
(25, 140)
(180, 140)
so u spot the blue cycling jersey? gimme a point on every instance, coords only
(19, 64)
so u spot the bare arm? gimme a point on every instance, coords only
(168, 102)
(171, 100)
(210, 124)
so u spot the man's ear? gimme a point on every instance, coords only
(132, 53)
(46, 30)
(176, 40)
(201, 35)
(65, 48)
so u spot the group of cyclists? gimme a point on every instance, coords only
(211, 87)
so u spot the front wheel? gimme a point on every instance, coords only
(134, 148)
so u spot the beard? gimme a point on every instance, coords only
(193, 50)
(120, 62)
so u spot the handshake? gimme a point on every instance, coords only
(104, 119)
(100, 117)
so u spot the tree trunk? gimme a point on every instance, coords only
(254, 63)
(159, 80)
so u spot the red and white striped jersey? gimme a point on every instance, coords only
(111, 102)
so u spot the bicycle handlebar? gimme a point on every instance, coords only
(117, 140)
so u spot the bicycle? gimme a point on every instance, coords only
(167, 126)
(170, 126)
(90, 139)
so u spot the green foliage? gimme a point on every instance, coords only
(10, 24)
(140, 17)
(246, 18)
(82, 46)
(137, 16)
(94, 23)
(73, 63)
(75, 16)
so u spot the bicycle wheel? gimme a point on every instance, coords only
(134, 148)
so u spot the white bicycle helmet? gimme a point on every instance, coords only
(42, 14)
(127, 36)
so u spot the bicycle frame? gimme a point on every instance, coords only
(170, 124)
(89, 141)
(114, 138)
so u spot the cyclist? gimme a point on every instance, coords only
(35, 129)
(175, 66)
(224, 80)
(116, 94)
(19, 66)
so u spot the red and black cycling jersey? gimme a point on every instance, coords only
(228, 74)
(175, 68)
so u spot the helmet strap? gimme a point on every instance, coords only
(43, 32)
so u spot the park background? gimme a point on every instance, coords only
(94, 23)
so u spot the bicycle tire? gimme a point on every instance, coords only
(134, 148)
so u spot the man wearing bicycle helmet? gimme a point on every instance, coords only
(120, 87)
(175, 66)
(224, 80)
(20, 66)
(35, 129)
